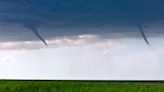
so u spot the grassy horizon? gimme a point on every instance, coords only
(79, 86)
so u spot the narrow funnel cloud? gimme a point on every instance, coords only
(39, 36)
(35, 31)
(143, 34)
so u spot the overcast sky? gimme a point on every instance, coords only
(84, 56)
(87, 39)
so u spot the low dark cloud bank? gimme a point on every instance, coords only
(74, 17)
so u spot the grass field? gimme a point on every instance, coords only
(79, 86)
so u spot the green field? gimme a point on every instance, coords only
(79, 86)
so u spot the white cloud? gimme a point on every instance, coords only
(85, 57)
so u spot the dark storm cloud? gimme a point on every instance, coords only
(80, 14)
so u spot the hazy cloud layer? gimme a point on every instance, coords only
(85, 40)
(121, 59)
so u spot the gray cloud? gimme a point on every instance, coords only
(64, 18)
(15, 32)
